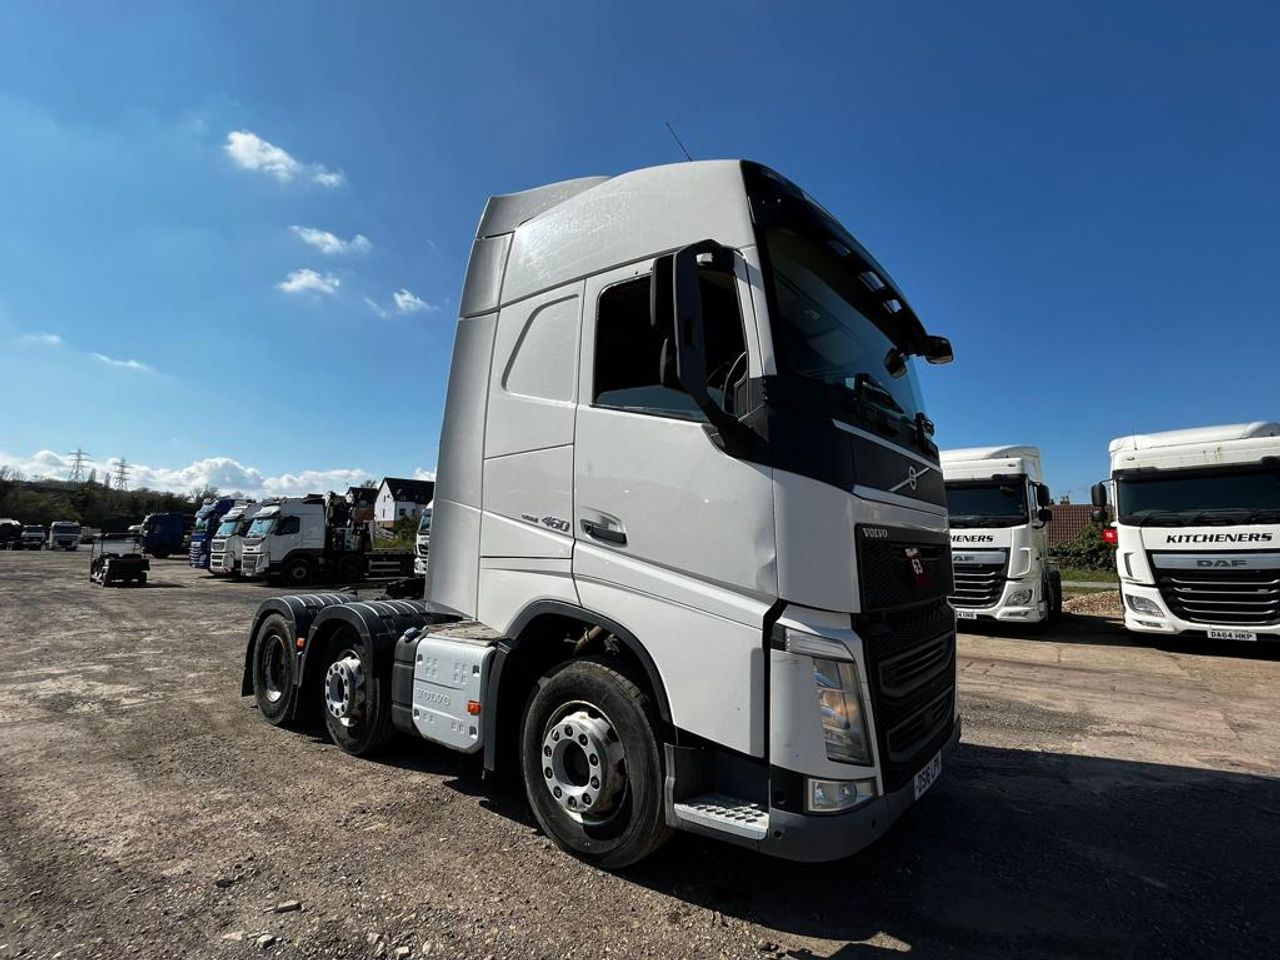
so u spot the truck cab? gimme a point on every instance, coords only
(206, 522)
(999, 504)
(228, 539)
(33, 537)
(1197, 530)
(689, 561)
(422, 542)
(64, 535)
(162, 534)
(283, 539)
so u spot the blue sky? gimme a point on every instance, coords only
(1084, 197)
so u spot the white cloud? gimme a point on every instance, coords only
(226, 473)
(330, 244)
(422, 473)
(44, 339)
(407, 302)
(307, 280)
(123, 364)
(373, 305)
(249, 151)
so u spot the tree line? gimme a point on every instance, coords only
(90, 504)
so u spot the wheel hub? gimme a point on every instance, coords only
(582, 763)
(344, 687)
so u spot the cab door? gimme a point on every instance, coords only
(673, 538)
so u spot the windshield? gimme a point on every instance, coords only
(226, 528)
(33, 529)
(987, 504)
(66, 528)
(1186, 498)
(202, 523)
(424, 525)
(261, 526)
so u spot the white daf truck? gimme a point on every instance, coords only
(228, 539)
(1197, 530)
(999, 505)
(689, 554)
(422, 542)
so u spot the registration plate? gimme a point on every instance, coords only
(928, 774)
(966, 615)
(1232, 635)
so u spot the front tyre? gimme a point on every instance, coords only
(273, 669)
(356, 701)
(592, 762)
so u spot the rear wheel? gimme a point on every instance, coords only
(355, 699)
(160, 554)
(350, 569)
(273, 669)
(592, 763)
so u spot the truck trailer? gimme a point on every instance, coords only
(300, 540)
(999, 505)
(1197, 530)
(689, 555)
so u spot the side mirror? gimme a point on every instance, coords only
(937, 350)
(1043, 497)
(1044, 515)
(1098, 515)
(690, 329)
(1098, 494)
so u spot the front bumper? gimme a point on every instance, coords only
(816, 838)
(1169, 625)
(1003, 611)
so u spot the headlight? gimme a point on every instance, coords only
(1142, 605)
(1019, 597)
(840, 707)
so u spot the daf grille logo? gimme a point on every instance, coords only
(913, 479)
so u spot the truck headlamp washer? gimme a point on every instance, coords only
(583, 763)
(344, 687)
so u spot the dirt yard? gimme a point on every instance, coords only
(1110, 799)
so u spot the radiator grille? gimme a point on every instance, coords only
(1245, 598)
(978, 584)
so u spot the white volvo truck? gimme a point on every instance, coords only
(1197, 530)
(689, 554)
(228, 540)
(999, 505)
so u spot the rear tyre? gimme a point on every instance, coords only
(273, 669)
(160, 554)
(592, 762)
(355, 699)
(1055, 601)
(350, 569)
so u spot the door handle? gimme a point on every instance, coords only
(598, 531)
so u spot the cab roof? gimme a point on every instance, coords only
(1195, 436)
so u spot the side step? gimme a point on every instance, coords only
(725, 814)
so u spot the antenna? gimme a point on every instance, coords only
(78, 459)
(680, 143)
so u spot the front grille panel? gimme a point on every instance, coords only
(1244, 598)
(898, 568)
(911, 665)
(978, 584)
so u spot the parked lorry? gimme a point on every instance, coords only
(689, 552)
(1197, 530)
(228, 539)
(422, 542)
(64, 535)
(314, 538)
(10, 534)
(206, 522)
(999, 504)
(162, 534)
(32, 537)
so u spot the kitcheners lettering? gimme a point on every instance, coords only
(973, 538)
(1218, 538)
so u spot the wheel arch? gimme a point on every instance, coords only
(298, 610)
(527, 653)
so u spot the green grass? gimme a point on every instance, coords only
(1097, 576)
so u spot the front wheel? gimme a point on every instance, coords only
(297, 572)
(592, 763)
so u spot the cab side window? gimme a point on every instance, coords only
(289, 525)
(635, 364)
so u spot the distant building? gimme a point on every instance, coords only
(363, 501)
(399, 498)
(1068, 520)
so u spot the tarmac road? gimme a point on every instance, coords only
(1110, 799)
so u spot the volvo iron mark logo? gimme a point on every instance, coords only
(913, 479)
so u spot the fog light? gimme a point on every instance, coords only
(1019, 597)
(832, 796)
(1142, 605)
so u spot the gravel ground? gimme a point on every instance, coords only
(1104, 604)
(1110, 799)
